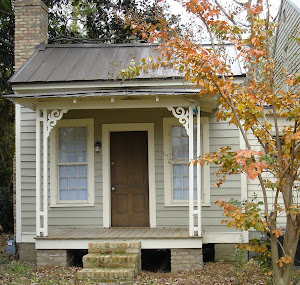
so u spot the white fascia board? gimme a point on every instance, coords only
(156, 83)
(100, 84)
(226, 237)
(145, 243)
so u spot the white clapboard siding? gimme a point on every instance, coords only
(167, 216)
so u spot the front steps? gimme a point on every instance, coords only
(111, 261)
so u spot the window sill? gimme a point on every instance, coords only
(185, 204)
(69, 205)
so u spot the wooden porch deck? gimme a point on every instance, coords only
(118, 233)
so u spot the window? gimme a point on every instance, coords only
(176, 159)
(72, 163)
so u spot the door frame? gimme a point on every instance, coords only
(106, 130)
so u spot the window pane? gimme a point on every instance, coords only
(177, 183)
(63, 195)
(63, 183)
(82, 145)
(185, 182)
(63, 132)
(180, 154)
(185, 194)
(82, 170)
(177, 194)
(72, 149)
(176, 131)
(177, 170)
(185, 154)
(72, 157)
(73, 194)
(63, 171)
(82, 156)
(72, 145)
(73, 171)
(82, 182)
(72, 133)
(73, 183)
(63, 145)
(82, 194)
(185, 169)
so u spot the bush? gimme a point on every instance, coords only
(6, 209)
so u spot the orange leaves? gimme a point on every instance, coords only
(289, 81)
(278, 232)
(242, 215)
(284, 260)
(248, 162)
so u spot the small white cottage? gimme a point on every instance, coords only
(101, 159)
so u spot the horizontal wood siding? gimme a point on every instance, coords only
(288, 31)
(91, 217)
(221, 134)
(27, 138)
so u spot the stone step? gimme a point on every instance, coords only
(113, 260)
(114, 247)
(106, 274)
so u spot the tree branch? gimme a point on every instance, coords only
(6, 43)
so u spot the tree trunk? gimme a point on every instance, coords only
(282, 275)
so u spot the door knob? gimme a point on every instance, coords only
(113, 188)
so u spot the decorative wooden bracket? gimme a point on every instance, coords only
(53, 118)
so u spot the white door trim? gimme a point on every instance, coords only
(106, 130)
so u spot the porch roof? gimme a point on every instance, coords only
(86, 62)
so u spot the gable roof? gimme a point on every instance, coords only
(90, 62)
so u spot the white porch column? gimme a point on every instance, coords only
(186, 118)
(38, 171)
(49, 121)
(191, 172)
(199, 175)
(44, 213)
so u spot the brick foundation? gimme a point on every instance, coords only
(52, 257)
(185, 259)
(224, 252)
(27, 252)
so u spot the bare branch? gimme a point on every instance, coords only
(6, 43)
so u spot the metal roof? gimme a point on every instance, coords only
(86, 62)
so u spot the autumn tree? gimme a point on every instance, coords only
(259, 107)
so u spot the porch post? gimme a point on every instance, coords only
(186, 118)
(38, 171)
(199, 175)
(45, 173)
(191, 172)
(49, 121)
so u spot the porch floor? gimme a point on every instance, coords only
(119, 233)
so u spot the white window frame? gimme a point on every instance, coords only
(54, 189)
(168, 169)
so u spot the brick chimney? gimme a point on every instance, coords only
(31, 28)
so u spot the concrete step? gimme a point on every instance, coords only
(114, 247)
(106, 274)
(126, 260)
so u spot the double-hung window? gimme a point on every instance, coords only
(176, 160)
(72, 163)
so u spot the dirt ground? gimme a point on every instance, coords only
(20, 272)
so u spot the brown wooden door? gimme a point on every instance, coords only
(129, 179)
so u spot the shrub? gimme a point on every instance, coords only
(6, 209)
